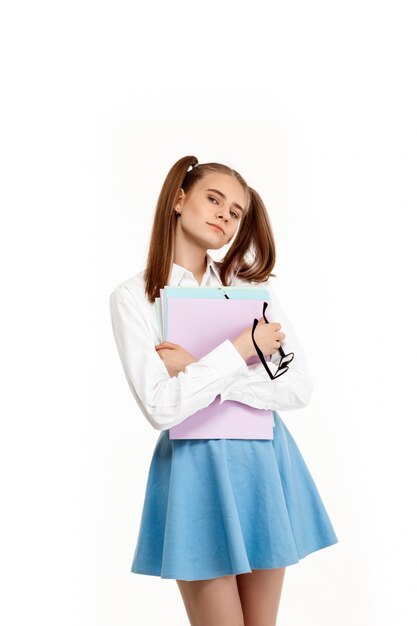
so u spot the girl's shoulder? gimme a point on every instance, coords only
(131, 296)
(239, 282)
(132, 290)
(134, 284)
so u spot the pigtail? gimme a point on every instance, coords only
(252, 255)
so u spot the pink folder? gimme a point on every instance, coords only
(199, 325)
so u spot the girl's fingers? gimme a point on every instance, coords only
(166, 344)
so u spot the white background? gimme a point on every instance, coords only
(314, 103)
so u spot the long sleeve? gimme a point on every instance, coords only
(291, 390)
(164, 400)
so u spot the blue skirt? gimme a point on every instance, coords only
(215, 507)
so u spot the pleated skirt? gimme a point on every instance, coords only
(215, 507)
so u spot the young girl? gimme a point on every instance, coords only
(223, 517)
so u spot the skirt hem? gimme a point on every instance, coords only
(148, 572)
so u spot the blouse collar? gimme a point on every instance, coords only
(177, 271)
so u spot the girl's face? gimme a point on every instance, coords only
(216, 199)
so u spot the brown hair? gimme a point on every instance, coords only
(254, 234)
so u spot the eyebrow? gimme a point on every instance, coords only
(221, 194)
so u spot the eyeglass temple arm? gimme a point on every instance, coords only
(259, 352)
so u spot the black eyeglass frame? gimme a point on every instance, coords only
(285, 358)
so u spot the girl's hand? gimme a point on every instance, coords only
(174, 356)
(266, 336)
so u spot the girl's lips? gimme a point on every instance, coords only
(217, 227)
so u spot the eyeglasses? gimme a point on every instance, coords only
(285, 358)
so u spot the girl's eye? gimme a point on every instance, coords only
(233, 213)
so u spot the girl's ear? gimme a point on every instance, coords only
(179, 202)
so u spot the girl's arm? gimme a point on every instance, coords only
(164, 400)
(291, 390)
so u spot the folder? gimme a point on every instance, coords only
(199, 319)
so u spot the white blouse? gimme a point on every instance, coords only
(166, 401)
